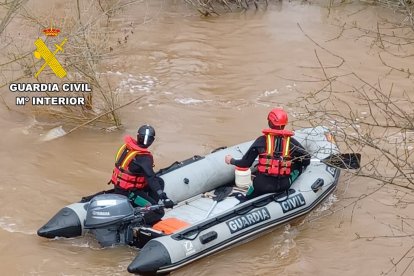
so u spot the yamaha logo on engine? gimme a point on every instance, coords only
(100, 213)
(292, 203)
(248, 220)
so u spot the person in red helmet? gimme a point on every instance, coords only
(134, 177)
(281, 157)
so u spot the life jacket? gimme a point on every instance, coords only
(121, 176)
(276, 161)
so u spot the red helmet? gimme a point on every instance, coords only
(277, 117)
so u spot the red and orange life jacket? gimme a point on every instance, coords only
(276, 161)
(121, 176)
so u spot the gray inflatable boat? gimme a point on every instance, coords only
(207, 217)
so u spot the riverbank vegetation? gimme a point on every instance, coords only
(375, 118)
(217, 7)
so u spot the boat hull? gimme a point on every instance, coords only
(68, 222)
(193, 243)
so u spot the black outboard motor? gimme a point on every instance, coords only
(112, 219)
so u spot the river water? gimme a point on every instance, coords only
(207, 82)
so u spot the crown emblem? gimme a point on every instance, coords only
(51, 31)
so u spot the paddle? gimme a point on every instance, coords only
(350, 161)
(221, 193)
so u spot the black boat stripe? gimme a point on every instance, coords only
(248, 234)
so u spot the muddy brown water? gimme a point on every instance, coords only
(208, 83)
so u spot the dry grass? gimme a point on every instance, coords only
(216, 7)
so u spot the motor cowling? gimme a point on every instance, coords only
(111, 218)
(108, 209)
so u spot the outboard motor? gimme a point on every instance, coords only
(111, 218)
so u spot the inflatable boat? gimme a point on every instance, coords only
(209, 216)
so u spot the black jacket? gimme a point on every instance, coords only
(142, 164)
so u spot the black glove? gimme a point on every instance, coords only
(162, 195)
(168, 203)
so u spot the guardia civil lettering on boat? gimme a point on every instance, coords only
(292, 203)
(250, 219)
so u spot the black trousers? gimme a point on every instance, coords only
(264, 184)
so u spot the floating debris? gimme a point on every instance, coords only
(54, 133)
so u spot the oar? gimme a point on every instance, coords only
(221, 193)
(350, 161)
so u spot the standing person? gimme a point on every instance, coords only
(134, 177)
(281, 158)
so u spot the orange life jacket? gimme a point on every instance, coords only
(121, 176)
(276, 161)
